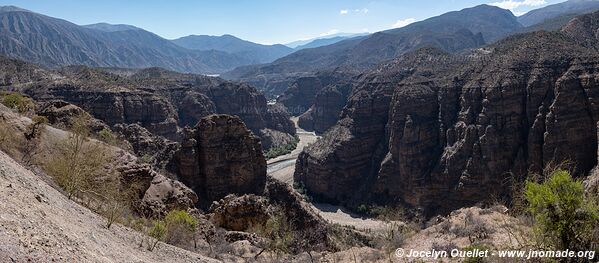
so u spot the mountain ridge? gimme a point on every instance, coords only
(257, 53)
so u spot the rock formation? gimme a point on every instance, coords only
(164, 195)
(220, 157)
(326, 109)
(239, 213)
(62, 114)
(440, 131)
(161, 101)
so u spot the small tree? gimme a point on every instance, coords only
(563, 216)
(77, 161)
(113, 202)
(158, 231)
(32, 137)
(8, 139)
(107, 136)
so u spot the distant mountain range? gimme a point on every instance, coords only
(54, 42)
(452, 32)
(111, 28)
(256, 53)
(322, 41)
(569, 8)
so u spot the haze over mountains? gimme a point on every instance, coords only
(452, 32)
(322, 41)
(256, 53)
(54, 42)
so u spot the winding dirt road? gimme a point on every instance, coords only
(282, 169)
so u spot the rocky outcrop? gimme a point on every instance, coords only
(278, 119)
(300, 95)
(312, 230)
(439, 132)
(273, 138)
(155, 150)
(161, 101)
(326, 109)
(62, 114)
(305, 90)
(220, 157)
(164, 195)
(239, 213)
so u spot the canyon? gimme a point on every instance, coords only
(459, 131)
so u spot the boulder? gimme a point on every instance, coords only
(164, 195)
(239, 213)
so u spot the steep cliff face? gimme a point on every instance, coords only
(327, 107)
(220, 157)
(159, 100)
(441, 131)
(303, 91)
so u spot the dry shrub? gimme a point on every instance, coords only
(474, 228)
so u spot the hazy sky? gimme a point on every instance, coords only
(262, 21)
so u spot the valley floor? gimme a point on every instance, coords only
(282, 169)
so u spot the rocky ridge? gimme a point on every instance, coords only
(161, 101)
(439, 131)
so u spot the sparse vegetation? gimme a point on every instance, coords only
(278, 231)
(17, 102)
(8, 139)
(107, 136)
(77, 161)
(177, 228)
(384, 213)
(474, 228)
(475, 248)
(393, 236)
(281, 150)
(32, 138)
(564, 218)
(300, 188)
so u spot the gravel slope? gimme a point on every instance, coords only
(39, 224)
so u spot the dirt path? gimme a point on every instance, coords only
(282, 169)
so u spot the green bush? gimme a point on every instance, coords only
(18, 102)
(181, 227)
(564, 217)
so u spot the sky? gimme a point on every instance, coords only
(260, 21)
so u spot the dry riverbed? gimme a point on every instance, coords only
(282, 169)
